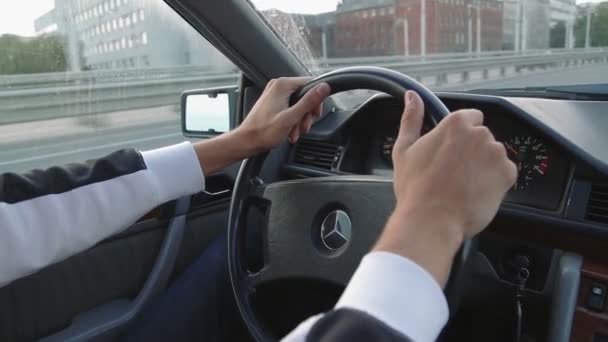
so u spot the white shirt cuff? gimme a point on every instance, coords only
(400, 293)
(175, 170)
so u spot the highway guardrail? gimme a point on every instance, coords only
(46, 96)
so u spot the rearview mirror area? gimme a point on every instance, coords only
(208, 112)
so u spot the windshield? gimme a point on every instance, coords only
(450, 44)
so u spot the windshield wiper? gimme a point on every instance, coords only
(589, 92)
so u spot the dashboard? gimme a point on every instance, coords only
(543, 169)
(557, 145)
(556, 215)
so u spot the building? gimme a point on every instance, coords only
(115, 34)
(365, 28)
(303, 34)
(526, 24)
(489, 15)
(511, 23)
(564, 11)
(391, 27)
(321, 33)
(360, 28)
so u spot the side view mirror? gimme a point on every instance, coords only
(208, 112)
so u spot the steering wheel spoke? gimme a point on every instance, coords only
(320, 228)
(290, 269)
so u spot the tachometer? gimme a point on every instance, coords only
(530, 156)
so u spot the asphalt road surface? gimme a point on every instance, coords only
(56, 142)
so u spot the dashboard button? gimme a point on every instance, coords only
(597, 297)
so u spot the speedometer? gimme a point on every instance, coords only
(530, 156)
(389, 137)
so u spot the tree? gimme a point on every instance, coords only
(558, 35)
(23, 55)
(599, 26)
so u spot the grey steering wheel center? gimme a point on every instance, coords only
(336, 230)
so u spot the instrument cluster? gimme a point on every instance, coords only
(542, 168)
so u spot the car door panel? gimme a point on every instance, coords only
(98, 284)
(109, 320)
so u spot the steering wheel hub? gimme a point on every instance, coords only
(336, 230)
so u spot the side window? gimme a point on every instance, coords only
(82, 78)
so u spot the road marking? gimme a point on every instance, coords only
(88, 149)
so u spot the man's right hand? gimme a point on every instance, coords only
(448, 185)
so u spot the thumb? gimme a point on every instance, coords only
(411, 120)
(308, 103)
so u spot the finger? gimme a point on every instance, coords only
(294, 134)
(292, 83)
(306, 124)
(486, 135)
(472, 117)
(311, 100)
(511, 170)
(411, 120)
(270, 83)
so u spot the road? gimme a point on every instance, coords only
(41, 144)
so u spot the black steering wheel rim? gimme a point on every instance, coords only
(248, 182)
(379, 79)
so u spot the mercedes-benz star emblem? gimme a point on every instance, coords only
(336, 230)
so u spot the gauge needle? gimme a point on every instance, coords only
(510, 148)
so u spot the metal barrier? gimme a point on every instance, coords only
(101, 76)
(44, 96)
(336, 62)
(46, 103)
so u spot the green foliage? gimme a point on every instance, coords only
(599, 26)
(21, 55)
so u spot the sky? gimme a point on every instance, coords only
(18, 16)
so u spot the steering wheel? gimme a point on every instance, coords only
(318, 228)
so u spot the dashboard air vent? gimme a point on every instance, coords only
(317, 154)
(597, 208)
